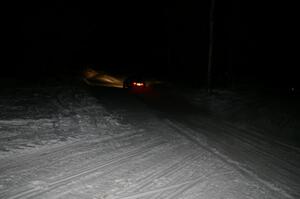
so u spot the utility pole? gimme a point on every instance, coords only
(210, 47)
(169, 48)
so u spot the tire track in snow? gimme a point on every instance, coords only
(249, 142)
(253, 130)
(160, 190)
(122, 158)
(67, 149)
(180, 188)
(27, 158)
(190, 135)
(253, 140)
(141, 189)
(148, 180)
(286, 169)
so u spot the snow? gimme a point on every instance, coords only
(264, 112)
(70, 141)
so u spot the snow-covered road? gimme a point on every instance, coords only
(71, 141)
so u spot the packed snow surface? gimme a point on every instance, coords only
(72, 141)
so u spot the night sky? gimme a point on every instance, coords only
(251, 40)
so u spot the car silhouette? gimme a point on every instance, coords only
(134, 82)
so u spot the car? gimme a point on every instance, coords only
(134, 82)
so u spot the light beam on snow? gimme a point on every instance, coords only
(102, 78)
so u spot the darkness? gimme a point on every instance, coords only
(253, 41)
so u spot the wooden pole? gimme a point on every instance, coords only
(210, 47)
